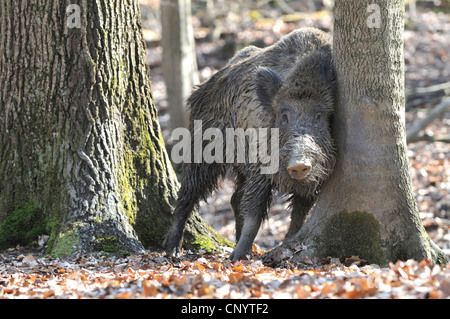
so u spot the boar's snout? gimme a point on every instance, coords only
(299, 169)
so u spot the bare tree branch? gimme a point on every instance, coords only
(428, 90)
(420, 125)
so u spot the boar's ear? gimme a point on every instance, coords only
(267, 84)
(327, 68)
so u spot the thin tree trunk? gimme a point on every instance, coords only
(367, 208)
(79, 137)
(179, 58)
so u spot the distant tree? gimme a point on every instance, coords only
(179, 59)
(367, 208)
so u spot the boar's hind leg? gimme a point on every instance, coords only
(198, 183)
(236, 203)
(255, 201)
(300, 208)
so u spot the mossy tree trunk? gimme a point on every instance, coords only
(79, 137)
(367, 208)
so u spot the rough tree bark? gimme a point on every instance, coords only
(367, 208)
(79, 137)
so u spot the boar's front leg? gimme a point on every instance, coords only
(236, 204)
(300, 207)
(198, 183)
(256, 198)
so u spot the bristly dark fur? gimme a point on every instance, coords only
(294, 76)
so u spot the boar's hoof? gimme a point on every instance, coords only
(236, 256)
(175, 252)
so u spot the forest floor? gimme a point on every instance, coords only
(26, 273)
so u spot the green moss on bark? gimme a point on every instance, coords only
(65, 243)
(195, 238)
(127, 181)
(208, 244)
(110, 245)
(356, 233)
(203, 242)
(24, 225)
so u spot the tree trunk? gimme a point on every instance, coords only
(179, 58)
(367, 207)
(80, 146)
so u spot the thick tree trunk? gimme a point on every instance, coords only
(367, 207)
(79, 137)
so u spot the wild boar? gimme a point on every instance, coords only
(288, 88)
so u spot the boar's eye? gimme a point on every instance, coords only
(284, 118)
(318, 116)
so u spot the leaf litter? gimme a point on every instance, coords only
(213, 276)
